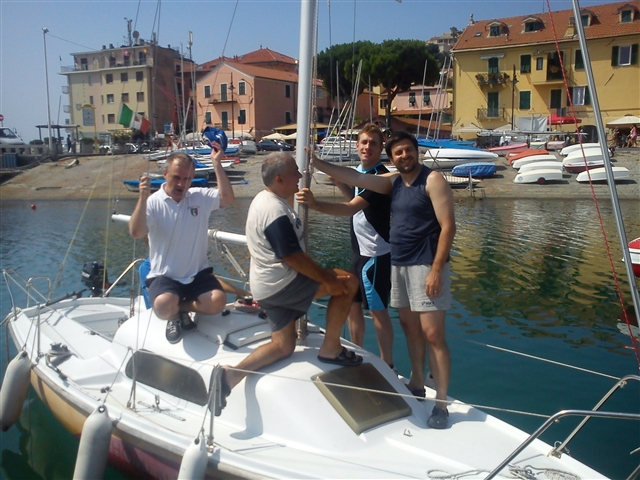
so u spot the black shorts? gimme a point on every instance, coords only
(290, 303)
(204, 281)
(374, 275)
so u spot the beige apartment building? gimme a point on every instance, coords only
(146, 77)
(491, 54)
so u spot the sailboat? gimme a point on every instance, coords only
(104, 368)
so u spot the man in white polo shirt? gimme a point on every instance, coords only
(176, 218)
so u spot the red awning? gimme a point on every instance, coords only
(559, 120)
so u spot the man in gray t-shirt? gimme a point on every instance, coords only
(285, 280)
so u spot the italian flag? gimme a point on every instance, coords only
(129, 119)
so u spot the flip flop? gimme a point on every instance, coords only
(346, 358)
(223, 392)
(419, 393)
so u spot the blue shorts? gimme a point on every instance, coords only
(290, 303)
(204, 281)
(374, 275)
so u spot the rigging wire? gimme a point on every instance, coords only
(636, 346)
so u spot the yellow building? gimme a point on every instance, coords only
(491, 54)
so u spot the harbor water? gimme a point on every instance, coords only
(533, 328)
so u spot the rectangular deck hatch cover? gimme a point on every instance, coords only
(362, 410)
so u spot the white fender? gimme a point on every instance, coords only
(93, 451)
(194, 461)
(14, 390)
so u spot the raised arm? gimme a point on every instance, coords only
(338, 209)
(138, 222)
(377, 183)
(224, 185)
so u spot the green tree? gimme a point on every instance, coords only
(395, 65)
(345, 58)
(399, 65)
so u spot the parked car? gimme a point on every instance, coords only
(268, 145)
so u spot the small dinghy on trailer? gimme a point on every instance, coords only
(540, 177)
(541, 166)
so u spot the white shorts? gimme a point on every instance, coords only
(408, 288)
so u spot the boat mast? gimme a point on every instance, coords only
(607, 161)
(308, 10)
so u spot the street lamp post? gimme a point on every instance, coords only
(247, 84)
(46, 76)
(513, 95)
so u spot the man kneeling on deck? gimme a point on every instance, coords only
(285, 280)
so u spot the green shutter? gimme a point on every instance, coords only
(587, 96)
(634, 54)
(614, 56)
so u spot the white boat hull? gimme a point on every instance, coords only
(277, 423)
(577, 147)
(517, 164)
(541, 166)
(600, 174)
(539, 176)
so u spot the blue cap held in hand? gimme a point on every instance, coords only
(216, 135)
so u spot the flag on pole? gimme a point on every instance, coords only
(140, 123)
(126, 115)
(127, 118)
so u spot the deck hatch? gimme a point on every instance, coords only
(361, 410)
(168, 376)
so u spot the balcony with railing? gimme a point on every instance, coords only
(492, 78)
(220, 98)
(492, 113)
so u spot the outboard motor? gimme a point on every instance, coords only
(94, 276)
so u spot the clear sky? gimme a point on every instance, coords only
(229, 27)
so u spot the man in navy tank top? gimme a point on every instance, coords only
(421, 236)
(370, 257)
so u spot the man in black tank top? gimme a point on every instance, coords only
(422, 232)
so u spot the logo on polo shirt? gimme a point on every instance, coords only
(194, 211)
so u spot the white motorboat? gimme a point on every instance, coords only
(578, 147)
(540, 176)
(600, 174)
(540, 166)
(517, 164)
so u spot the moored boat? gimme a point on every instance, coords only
(634, 251)
(580, 165)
